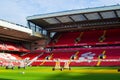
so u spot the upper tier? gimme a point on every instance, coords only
(94, 37)
(9, 46)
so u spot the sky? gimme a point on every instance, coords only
(16, 11)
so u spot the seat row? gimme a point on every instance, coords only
(94, 37)
(81, 57)
(9, 46)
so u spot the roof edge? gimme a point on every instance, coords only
(76, 11)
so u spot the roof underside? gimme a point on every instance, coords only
(16, 35)
(107, 17)
(11, 31)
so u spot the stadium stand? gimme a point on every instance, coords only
(6, 58)
(10, 46)
(84, 57)
(13, 42)
(87, 37)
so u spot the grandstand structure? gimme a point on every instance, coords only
(15, 40)
(83, 37)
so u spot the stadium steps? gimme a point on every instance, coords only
(99, 58)
(75, 56)
(79, 38)
(35, 58)
(48, 58)
(102, 38)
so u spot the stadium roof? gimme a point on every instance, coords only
(78, 19)
(16, 32)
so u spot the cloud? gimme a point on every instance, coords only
(17, 10)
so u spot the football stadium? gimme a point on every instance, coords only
(80, 44)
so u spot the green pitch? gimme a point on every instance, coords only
(46, 73)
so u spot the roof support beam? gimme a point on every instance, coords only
(85, 17)
(100, 15)
(71, 18)
(84, 24)
(29, 24)
(58, 20)
(116, 14)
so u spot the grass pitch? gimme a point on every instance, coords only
(46, 73)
